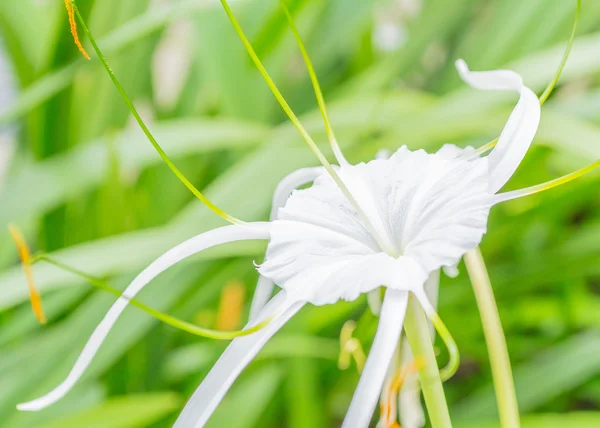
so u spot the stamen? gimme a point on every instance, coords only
(487, 147)
(453, 353)
(165, 318)
(554, 81)
(382, 241)
(26, 261)
(73, 25)
(350, 347)
(231, 306)
(315, 82)
(214, 208)
(388, 411)
(515, 194)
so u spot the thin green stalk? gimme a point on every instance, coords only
(145, 129)
(317, 87)
(506, 396)
(418, 334)
(381, 240)
(165, 318)
(554, 81)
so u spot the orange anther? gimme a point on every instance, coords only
(388, 406)
(25, 255)
(73, 25)
(231, 306)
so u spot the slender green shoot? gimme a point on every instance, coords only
(315, 82)
(418, 334)
(383, 241)
(515, 194)
(453, 353)
(563, 62)
(165, 318)
(506, 396)
(554, 82)
(145, 129)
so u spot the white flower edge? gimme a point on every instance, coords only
(517, 135)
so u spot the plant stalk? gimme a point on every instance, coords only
(506, 396)
(418, 334)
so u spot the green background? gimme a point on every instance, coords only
(86, 186)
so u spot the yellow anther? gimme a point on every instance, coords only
(231, 306)
(388, 407)
(350, 347)
(25, 255)
(73, 25)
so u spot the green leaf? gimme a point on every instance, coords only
(131, 411)
(553, 372)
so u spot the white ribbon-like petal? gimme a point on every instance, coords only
(517, 135)
(385, 342)
(236, 357)
(171, 257)
(264, 287)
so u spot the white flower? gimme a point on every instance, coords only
(425, 211)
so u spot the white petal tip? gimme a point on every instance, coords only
(31, 406)
(461, 66)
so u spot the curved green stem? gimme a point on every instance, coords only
(563, 62)
(317, 87)
(494, 337)
(454, 355)
(554, 81)
(383, 241)
(419, 338)
(167, 319)
(197, 193)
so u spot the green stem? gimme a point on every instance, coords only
(214, 208)
(165, 318)
(494, 337)
(419, 338)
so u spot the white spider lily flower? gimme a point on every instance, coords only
(429, 209)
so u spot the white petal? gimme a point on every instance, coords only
(302, 176)
(383, 154)
(290, 183)
(171, 257)
(517, 135)
(325, 274)
(236, 357)
(262, 294)
(371, 381)
(432, 207)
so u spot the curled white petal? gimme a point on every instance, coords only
(171, 257)
(290, 183)
(384, 345)
(517, 135)
(264, 287)
(236, 357)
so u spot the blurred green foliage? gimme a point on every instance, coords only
(86, 186)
